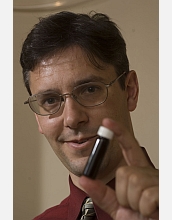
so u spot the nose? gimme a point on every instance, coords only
(74, 114)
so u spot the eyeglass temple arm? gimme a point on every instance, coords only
(26, 102)
(117, 78)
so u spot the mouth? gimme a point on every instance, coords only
(83, 142)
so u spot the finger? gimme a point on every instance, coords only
(132, 152)
(131, 182)
(121, 187)
(128, 214)
(149, 202)
(138, 184)
(102, 195)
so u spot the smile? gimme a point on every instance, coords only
(82, 143)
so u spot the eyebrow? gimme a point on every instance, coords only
(91, 78)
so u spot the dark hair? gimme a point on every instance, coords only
(95, 33)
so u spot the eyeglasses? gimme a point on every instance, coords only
(88, 95)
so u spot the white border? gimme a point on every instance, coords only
(6, 110)
(165, 107)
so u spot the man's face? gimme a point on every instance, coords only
(72, 131)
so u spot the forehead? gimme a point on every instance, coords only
(68, 59)
(67, 69)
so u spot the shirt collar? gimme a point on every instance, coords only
(76, 198)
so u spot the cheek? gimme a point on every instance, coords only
(116, 107)
(51, 127)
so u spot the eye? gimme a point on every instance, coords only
(90, 89)
(48, 100)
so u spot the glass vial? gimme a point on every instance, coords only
(98, 152)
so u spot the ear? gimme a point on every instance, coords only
(39, 126)
(132, 89)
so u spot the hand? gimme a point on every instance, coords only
(137, 185)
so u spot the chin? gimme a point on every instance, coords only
(77, 171)
(77, 167)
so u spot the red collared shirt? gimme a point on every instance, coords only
(69, 208)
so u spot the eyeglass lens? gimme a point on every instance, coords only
(88, 95)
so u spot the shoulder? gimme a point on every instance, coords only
(56, 212)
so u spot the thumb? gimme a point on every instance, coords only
(102, 195)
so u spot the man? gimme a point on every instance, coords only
(76, 72)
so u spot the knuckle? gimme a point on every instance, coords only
(147, 195)
(134, 179)
(122, 172)
(147, 205)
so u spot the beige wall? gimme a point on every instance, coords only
(40, 181)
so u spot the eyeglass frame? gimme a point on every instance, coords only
(71, 94)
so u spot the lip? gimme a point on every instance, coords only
(82, 143)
